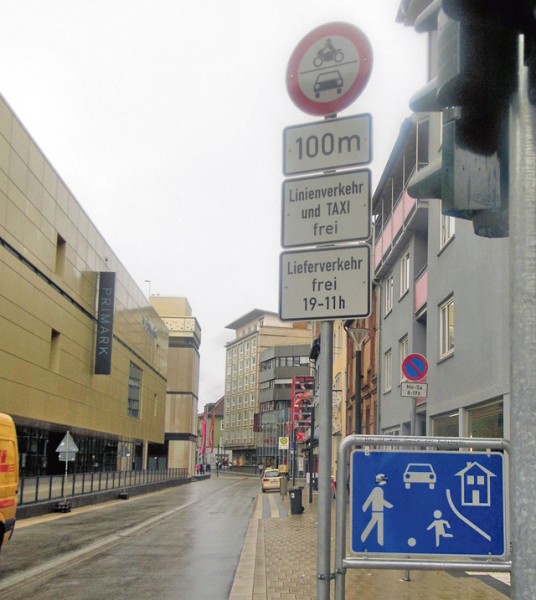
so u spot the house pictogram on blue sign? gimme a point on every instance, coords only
(476, 487)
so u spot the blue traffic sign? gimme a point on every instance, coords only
(415, 367)
(438, 503)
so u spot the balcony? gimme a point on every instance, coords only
(408, 216)
(421, 293)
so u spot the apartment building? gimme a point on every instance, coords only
(255, 332)
(443, 294)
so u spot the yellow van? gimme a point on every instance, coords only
(9, 477)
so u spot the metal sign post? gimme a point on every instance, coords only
(67, 451)
(327, 71)
(325, 411)
(522, 216)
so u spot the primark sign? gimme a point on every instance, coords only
(105, 323)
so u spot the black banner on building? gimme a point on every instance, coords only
(105, 323)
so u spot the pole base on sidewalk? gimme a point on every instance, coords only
(63, 506)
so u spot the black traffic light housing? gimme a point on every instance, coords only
(476, 77)
(476, 72)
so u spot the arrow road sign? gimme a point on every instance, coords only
(428, 503)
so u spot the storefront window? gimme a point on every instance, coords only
(446, 425)
(486, 421)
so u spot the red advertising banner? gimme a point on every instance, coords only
(211, 434)
(203, 449)
(302, 400)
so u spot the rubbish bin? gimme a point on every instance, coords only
(295, 494)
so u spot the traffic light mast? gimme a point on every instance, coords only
(486, 91)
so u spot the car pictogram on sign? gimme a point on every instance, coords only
(419, 473)
(332, 80)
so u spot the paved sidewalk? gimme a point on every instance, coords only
(278, 562)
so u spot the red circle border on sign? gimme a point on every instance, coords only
(361, 42)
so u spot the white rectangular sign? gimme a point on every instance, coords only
(325, 284)
(329, 144)
(411, 389)
(326, 209)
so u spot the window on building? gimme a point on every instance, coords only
(446, 334)
(447, 229)
(404, 274)
(134, 391)
(389, 287)
(403, 350)
(387, 370)
(446, 425)
(61, 246)
(486, 421)
(55, 351)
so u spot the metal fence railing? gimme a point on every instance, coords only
(51, 487)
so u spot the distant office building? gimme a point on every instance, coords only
(81, 349)
(255, 332)
(182, 382)
(279, 365)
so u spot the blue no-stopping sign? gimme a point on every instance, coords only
(414, 367)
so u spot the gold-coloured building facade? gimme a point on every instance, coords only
(51, 256)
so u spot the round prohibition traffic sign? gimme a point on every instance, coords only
(329, 68)
(415, 367)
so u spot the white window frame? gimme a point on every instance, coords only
(403, 351)
(389, 293)
(387, 370)
(446, 328)
(404, 273)
(447, 227)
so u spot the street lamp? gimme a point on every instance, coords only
(358, 335)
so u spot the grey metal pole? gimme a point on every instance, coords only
(340, 519)
(324, 461)
(311, 455)
(522, 214)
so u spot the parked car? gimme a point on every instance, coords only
(271, 480)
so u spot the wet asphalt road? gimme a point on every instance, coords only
(182, 543)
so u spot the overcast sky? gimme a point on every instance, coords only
(165, 119)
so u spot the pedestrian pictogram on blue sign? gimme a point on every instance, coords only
(440, 503)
